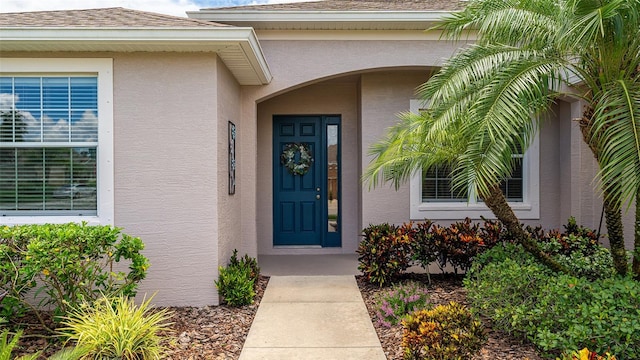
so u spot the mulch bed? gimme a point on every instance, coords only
(444, 288)
(210, 332)
(219, 332)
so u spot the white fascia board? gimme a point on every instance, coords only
(256, 57)
(139, 39)
(257, 17)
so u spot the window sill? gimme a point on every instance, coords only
(457, 211)
(27, 220)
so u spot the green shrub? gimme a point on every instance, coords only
(115, 328)
(582, 256)
(505, 290)
(577, 249)
(72, 263)
(423, 248)
(246, 262)
(236, 283)
(461, 243)
(13, 281)
(556, 312)
(445, 332)
(393, 304)
(385, 252)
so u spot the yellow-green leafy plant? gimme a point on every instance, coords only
(115, 328)
(446, 332)
(7, 346)
(69, 353)
(586, 354)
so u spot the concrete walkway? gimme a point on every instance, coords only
(312, 317)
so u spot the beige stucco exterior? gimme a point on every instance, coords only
(171, 112)
(170, 167)
(166, 165)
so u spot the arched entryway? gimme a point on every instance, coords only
(360, 107)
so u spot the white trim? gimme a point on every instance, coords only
(322, 19)
(103, 67)
(251, 65)
(528, 209)
(361, 35)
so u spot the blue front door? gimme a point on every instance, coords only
(305, 201)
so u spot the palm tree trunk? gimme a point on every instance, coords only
(636, 241)
(497, 203)
(613, 213)
(615, 231)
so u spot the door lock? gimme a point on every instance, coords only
(318, 189)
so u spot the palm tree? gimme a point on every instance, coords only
(528, 53)
(417, 143)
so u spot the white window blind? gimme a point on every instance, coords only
(431, 196)
(48, 145)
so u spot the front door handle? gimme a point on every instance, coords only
(318, 196)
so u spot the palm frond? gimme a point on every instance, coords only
(404, 150)
(617, 125)
(506, 22)
(501, 122)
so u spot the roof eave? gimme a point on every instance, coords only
(237, 47)
(297, 19)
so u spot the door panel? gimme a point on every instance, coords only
(299, 216)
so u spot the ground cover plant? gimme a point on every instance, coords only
(556, 312)
(394, 303)
(442, 289)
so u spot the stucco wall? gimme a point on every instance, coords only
(229, 206)
(384, 95)
(295, 63)
(333, 97)
(165, 166)
(165, 108)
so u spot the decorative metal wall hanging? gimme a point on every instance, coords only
(232, 158)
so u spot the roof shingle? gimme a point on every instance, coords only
(105, 17)
(358, 5)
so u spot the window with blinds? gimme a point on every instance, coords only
(48, 145)
(436, 184)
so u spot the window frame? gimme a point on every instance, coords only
(527, 209)
(103, 69)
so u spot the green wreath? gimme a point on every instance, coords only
(288, 158)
